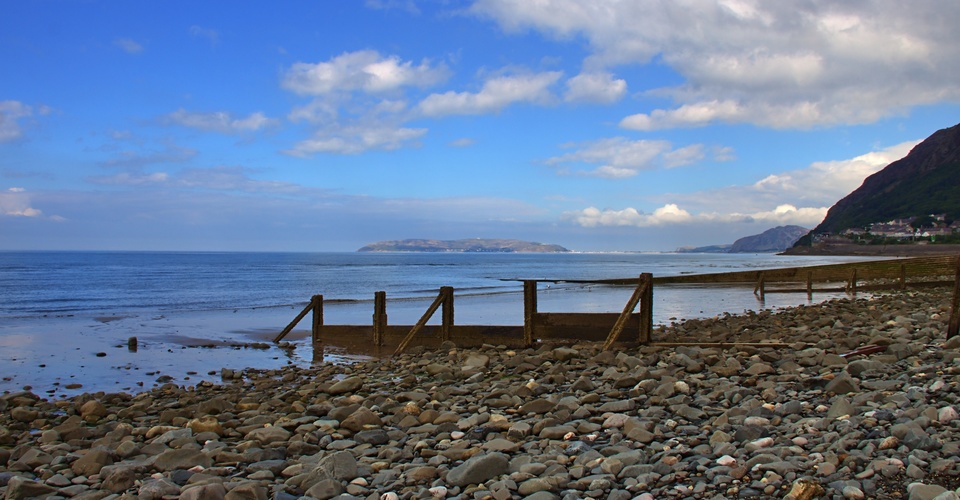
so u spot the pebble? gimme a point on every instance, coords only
(557, 422)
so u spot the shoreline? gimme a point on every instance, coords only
(639, 422)
(906, 250)
(92, 354)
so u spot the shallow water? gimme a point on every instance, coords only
(66, 317)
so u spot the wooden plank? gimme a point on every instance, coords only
(285, 331)
(420, 324)
(598, 320)
(646, 309)
(379, 316)
(625, 315)
(317, 302)
(529, 310)
(446, 312)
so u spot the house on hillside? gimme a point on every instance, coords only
(899, 228)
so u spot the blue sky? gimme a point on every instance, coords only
(324, 126)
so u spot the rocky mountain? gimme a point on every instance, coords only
(469, 245)
(776, 239)
(924, 182)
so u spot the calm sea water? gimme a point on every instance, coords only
(51, 284)
(66, 316)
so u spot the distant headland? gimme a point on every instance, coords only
(484, 245)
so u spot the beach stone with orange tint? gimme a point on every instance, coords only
(93, 410)
(206, 423)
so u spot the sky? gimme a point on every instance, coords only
(599, 125)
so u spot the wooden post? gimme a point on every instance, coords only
(954, 326)
(379, 317)
(529, 310)
(625, 315)
(446, 313)
(317, 301)
(420, 324)
(646, 308)
(852, 288)
(760, 286)
(809, 285)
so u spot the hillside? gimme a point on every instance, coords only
(776, 239)
(923, 182)
(469, 245)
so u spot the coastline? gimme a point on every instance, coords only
(63, 357)
(913, 250)
(638, 422)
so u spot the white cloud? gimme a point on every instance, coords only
(672, 214)
(821, 184)
(777, 64)
(15, 202)
(463, 142)
(688, 115)
(353, 139)
(220, 121)
(131, 179)
(128, 45)
(497, 93)
(136, 159)
(316, 111)
(801, 197)
(364, 70)
(619, 157)
(212, 35)
(10, 114)
(409, 6)
(600, 88)
(686, 155)
(223, 178)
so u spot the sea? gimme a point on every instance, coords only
(74, 322)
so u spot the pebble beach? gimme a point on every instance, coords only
(803, 417)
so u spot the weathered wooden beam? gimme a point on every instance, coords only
(423, 321)
(293, 323)
(379, 317)
(646, 308)
(761, 285)
(625, 315)
(317, 301)
(529, 310)
(446, 313)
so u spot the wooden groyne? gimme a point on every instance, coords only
(635, 323)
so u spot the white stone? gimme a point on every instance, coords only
(727, 461)
(947, 414)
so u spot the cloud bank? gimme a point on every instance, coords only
(800, 197)
(774, 64)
